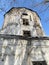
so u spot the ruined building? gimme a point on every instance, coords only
(22, 22)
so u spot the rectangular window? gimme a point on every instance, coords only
(39, 63)
(24, 14)
(25, 22)
(27, 33)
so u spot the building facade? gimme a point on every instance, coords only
(23, 22)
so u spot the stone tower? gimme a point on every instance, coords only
(22, 22)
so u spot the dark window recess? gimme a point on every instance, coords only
(39, 63)
(30, 18)
(27, 33)
(24, 14)
(2, 59)
(25, 22)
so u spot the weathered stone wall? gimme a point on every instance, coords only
(15, 16)
(22, 52)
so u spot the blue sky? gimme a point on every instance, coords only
(37, 5)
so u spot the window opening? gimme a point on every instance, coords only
(24, 14)
(27, 33)
(25, 22)
(39, 63)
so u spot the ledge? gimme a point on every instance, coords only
(9, 36)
